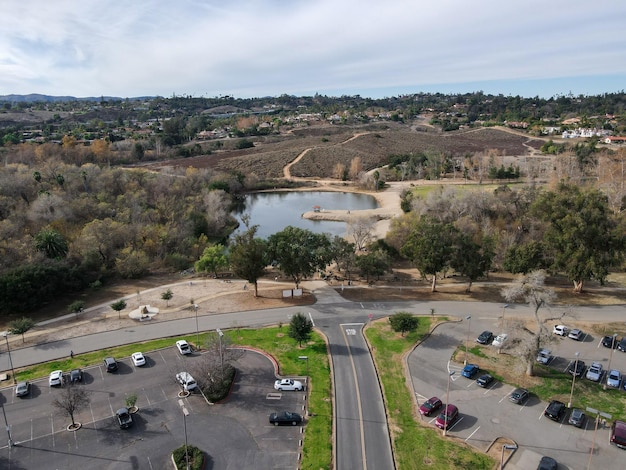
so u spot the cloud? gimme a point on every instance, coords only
(270, 47)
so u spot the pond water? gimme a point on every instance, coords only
(273, 211)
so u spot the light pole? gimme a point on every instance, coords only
(185, 414)
(610, 358)
(504, 307)
(305, 358)
(195, 306)
(219, 335)
(593, 442)
(6, 338)
(445, 410)
(571, 393)
(7, 425)
(507, 447)
(469, 322)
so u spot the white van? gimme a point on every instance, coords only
(186, 380)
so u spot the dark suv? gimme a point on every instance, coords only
(576, 368)
(622, 344)
(618, 434)
(555, 410)
(110, 364)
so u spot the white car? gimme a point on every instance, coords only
(56, 378)
(138, 359)
(186, 380)
(560, 330)
(183, 347)
(288, 384)
(595, 372)
(500, 339)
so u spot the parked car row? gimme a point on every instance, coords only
(487, 337)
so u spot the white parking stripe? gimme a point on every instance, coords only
(470, 436)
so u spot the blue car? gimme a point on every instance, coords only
(470, 371)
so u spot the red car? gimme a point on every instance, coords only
(431, 406)
(447, 417)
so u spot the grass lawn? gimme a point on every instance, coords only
(415, 446)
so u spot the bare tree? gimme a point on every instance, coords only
(532, 289)
(71, 399)
(360, 229)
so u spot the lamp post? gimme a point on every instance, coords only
(445, 410)
(219, 335)
(571, 393)
(507, 447)
(185, 414)
(7, 425)
(504, 307)
(593, 442)
(469, 322)
(610, 358)
(305, 358)
(6, 338)
(195, 306)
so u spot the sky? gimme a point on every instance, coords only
(258, 48)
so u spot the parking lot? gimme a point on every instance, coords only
(487, 413)
(234, 434)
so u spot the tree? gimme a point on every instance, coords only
(70, 400)
(360, 229)
(532, 289)
(299, 253)
(472, 259)
(525, 257)
(118, 307)
(430, 247)
(403, 322)
(581, 236)
(248, 256)
(167, 296)
(300, 328)
(213, 258)
(51, 243)
(343, 254)
(20, 326)
(374, 263)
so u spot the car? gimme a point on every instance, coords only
(577, 418)
(110, 364)
(485, 337)
(609, 342)
(288, 384)
(614, 378)
(430, 406)
(576, 368)
(519, 395)
(618, 434)
(547, 463)
(622, 344)
(560, 330)
(285, 417)
(76, 375)
(183, 347)
(544, 356)
(575, 334)
(186, 381)
(56, 378)
(500, 339)
(595, 372)
(138, 359)
(22, 389)
(124, 418)
(555, 410)
(447, 417)
(484, 380)
(470, 370)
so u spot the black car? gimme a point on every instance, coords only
(609, 342)
(555, 410)
(285, 417)
(124, 418)
(547, 463)
(485, 337)
(484, 380)
(519, 395)
(576, 368)
(110, 364)
(76, 375)
(622, 344)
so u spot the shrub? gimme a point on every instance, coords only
(403, 322)
(196, 458)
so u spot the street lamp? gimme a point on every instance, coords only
(445, 410)
(6, 338)
(7, 425)
(195, 306)
(469, 322)
(507, 447)
(504, 307)
(305, 358)
(593, 442)
(185, 414)
(220, 334)
(571, 393)
(610, 357)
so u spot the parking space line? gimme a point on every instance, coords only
(458, 421)
(470, 436)
(421, 397)
(147, 397)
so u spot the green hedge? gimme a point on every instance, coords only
(196, 458)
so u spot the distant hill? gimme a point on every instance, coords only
(36, 97)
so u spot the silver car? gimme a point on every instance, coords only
(595, 372)
(614, 378)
